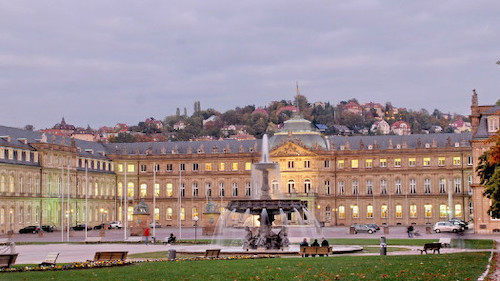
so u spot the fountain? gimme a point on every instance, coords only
(266, 210)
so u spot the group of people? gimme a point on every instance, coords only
(324, 243)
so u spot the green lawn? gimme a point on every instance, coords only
(417, 267)
(455, 243)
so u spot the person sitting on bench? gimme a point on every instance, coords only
(171, 238)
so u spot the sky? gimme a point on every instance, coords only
(98, 63)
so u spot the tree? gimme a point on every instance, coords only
(29, 127)
(488, 171)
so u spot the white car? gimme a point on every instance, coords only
(155, 226)
(115, 224)
(446, 226)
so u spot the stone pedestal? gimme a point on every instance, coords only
(210, 218)
(140, 223)
(10, 233)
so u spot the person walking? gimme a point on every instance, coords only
(146, 235)
(410, 231)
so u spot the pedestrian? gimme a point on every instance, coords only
(146, 235)
(410, 231)
(324, 242)
(304, 243)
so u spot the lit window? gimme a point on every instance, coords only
(456, 161)
(234, 166)
(441, 161)
(354, 163)
(195, 213)
(383, 162)
(144, 189)
(183, 214)
(170, 190)
(413, 211)
(340, 164)
(412, 162)
(130, 168)
(399, 211)
(397, 162)
(130, 212)
(248, 166)
(120, 189)
(428, 210)
(355, 211)
(169, 214)
(383, 211)
(341, 212)
(208, 166)
(369, 163)
(443, 211)
(130, 189)
(427, 161)
(458, 210)
(120, 167)
(157, 214)
(369, 211)
(222, 166)
(157, 189)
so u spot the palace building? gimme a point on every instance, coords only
(485, 120)
(389, 179)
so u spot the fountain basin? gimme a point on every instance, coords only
(273, 207)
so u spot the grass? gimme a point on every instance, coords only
(462, 266)
(455, 243)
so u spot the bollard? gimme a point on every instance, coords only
(383, 246)
(172, 255)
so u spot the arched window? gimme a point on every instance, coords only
(144, 190)
(369, 211)
(413, 186)
(221, 189)
(383, 186)
(341, 212)
(291, 186)
(169, 213)
(355, 187)
(307, 186)
(235, 189)
(383, 211)
(399, 211)
(397, 186)
(130, 189)
(427, 186)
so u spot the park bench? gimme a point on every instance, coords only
(4, 241)
(110, 256)
(7, 260)
(51, 259)
(315, 250)
(93, 239)
(211, 254)
(445, 242)
(436, 246)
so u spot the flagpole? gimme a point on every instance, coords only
(180, 201)
(154, 200)
(61, 188)
(68, 206)
(86, 196)
(125, 219)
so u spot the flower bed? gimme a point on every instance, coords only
(99, 264)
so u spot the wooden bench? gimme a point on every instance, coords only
(211, 254)
(110, 256)
(93, 239)
(7, 260)
(315, 250)
(445, 242)
(436, 246)
(50, 260)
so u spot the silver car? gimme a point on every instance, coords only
(446, 226)
(364, 228)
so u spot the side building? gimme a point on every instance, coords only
(393, 180)
(485, 121)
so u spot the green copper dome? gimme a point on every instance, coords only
(300, 131)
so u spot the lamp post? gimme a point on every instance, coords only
(196, 218)
(102, 214)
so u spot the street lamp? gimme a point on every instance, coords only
(196, 218)
(102, 214)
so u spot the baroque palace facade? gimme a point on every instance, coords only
(393, 180)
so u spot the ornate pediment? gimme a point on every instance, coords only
(291, 149)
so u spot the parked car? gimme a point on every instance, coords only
(115, 224)
(48, 228)
(153, 225)
(461, 223)
(374, 225)
(101, 226)
(441, 226)
(364, 228)
(81, 227)
(29, 229)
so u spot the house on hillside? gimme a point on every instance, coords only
(353, 108)
(401, 128)
(460, 126)
(381, 127)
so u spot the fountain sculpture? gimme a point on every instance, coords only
(268, 207)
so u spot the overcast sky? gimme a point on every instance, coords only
(103, 62)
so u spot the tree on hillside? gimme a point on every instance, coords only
(488, 171)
